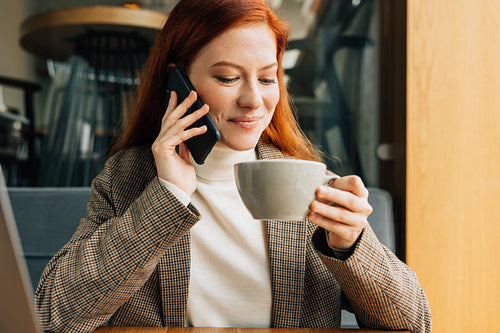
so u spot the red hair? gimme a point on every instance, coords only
(191, 25)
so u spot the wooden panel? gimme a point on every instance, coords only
(453, 159)
(392, 119)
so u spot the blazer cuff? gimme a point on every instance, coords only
(338, 253)
(177, 192)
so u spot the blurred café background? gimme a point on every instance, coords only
(403, 93)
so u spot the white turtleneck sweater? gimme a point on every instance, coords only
(230, 284)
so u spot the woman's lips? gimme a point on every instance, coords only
(246, 122)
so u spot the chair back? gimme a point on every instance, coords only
(382, 220)
(46, 219)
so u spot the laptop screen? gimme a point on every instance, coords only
(16, 303)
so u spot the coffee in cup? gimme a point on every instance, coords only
(280, 189)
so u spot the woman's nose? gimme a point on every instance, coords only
(250, 97)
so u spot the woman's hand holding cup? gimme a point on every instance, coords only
(342, 209)
(174, 167)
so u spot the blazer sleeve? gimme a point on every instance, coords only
(383, 292)
(131, 220)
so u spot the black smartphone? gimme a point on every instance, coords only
(201, 145)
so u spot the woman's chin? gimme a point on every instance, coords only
(240, 145)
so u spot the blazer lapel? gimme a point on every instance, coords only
(174, 276)
(286, 242)
(287, 252)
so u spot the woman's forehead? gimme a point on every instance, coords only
(240, 44)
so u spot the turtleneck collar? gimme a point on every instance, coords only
(219, 165)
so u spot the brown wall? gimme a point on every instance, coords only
(453, 160)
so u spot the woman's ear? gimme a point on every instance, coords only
(169, 68)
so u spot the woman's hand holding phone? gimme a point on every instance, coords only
(174, 167)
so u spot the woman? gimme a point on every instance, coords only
(167, 242)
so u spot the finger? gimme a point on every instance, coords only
(172, 103)
(338, 214)
(180, 137)
(352, 184)
(174, 110)
(341, 230)
(192, 132)
(189, 119)
(181, 109)
(175, 124)
(183, 124)
(348, 200)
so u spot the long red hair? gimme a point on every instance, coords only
(191, 25)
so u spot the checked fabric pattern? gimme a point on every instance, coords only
(128, 263)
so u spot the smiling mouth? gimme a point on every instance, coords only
(246, 123)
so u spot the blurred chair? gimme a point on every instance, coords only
(382, 223)
(381, 220)
(46, 219)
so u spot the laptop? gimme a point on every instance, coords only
(16, 295)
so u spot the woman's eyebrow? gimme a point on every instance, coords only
(231, 64)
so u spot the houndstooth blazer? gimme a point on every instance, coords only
(128, 264)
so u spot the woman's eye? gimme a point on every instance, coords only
(226, 79)
(268, 81)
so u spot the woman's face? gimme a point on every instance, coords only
(236, 75)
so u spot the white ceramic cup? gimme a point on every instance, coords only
(280, 189)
